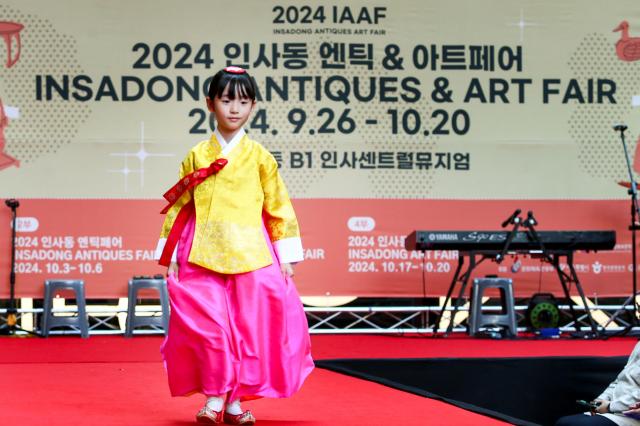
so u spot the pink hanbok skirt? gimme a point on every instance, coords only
(245, 334)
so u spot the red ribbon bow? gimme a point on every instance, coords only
(173, 195)
(191, 181)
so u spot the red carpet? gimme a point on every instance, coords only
(145, 348)
(117, 381)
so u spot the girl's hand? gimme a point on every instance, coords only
(173, 267)
(287, 269)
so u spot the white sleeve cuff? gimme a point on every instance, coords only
(289, 250)
(160, 247)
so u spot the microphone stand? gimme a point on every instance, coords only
(12, 311)
(635, 212)
(516, 221)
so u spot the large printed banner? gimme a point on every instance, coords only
(384, 118)
(356, 248)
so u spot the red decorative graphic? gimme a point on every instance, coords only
(8, 30)
(636, 157)
(5, 159)
(627, 48)
(636, 164)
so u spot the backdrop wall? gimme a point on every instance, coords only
(384, 118)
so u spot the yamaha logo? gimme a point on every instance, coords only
(443, 237)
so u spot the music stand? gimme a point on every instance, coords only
(11, 310)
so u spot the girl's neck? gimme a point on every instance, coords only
(228, 135)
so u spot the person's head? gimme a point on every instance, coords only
(232, 96)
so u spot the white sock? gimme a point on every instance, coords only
(234, 408)
(215, 403)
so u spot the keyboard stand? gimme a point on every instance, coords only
(554, 257)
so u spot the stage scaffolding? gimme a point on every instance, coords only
(111, 319)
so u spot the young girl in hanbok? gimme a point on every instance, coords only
(230, 237)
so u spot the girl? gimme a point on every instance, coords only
(237, 328)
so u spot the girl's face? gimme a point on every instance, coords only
(231, 114)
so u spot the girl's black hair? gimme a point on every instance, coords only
(239, 84)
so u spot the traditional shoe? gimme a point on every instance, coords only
(245, 418)
(208, 416)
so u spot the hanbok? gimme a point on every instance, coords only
(237, 325)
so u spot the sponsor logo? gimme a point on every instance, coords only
(597, 267)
